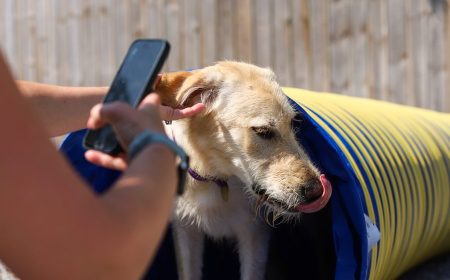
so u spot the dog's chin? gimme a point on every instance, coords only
(303, 206)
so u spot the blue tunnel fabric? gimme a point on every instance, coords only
(100, 179)
(348, 222)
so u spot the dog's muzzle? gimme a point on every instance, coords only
(314, 196)
(320, 202)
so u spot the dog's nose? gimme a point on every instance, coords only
(311, 190)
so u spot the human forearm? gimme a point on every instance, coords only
(65, 230)
(144, 197)
(62, 109)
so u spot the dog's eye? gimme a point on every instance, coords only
(264, 132)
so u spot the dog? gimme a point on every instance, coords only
(245, 163)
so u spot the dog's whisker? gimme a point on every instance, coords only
(258, 206)
(268, 216)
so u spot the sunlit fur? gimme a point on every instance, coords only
(240, 99)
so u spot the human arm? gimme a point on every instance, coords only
(53, 226)
(61, 108)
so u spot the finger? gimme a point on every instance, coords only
(166, 112)
(157, 81)
(169, 113)
(115, 111)
(150, 105)
(151, 99)
(191, 111)
(105, 160)
(95, 121)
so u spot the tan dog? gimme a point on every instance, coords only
(243, 155)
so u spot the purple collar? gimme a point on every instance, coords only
(220, 183)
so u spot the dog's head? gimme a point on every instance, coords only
(246, 131)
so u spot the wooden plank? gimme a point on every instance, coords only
(9, 39)
(134, 19)
(45, 58)
(417, 24)
(358, 79)
(109, 63)
(320, 44)
(437, 51)
(397, 52)
(264, 33)
(225, 28)
(302, 44)
(243, 30)
(122, 37)
(30, 40)
(379, 31)
(162, 4)
(96, 38)
(340, 46)
(410, 97)
(52, 41)
(20, 35)
(61, 40)
(209, 35)
(370, 61)
(446, 97)
(153, 22)
(73, 43)
(3, 27)
(192, 30)
(173, 24)
(283, 39)
(86, 43)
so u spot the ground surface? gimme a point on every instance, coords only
(435, 269)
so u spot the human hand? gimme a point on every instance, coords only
(170, 114)
(128, 123)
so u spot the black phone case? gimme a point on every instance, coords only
(104, 139)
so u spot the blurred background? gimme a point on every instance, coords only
(393, 50)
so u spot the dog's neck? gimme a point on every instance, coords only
(199, 169)
(219, 182)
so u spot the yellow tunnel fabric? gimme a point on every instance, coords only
(400, 157)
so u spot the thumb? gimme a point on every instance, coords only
(151, 99)
(115, 112)
(150, 104)
(106, 113)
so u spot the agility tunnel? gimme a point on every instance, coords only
(388, 162)
(389, 166)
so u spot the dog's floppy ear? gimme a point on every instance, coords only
(184, 89)
(169, 85)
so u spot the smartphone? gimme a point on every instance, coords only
(133, 81)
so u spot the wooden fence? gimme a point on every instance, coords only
(393, 50)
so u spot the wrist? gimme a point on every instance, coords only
(158, 149)
(148, 139)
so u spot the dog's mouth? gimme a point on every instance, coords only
(311, 203)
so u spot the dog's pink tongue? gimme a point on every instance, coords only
(319, 203)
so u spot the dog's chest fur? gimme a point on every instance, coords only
(205, 206)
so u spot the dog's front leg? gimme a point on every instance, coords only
(189, 250)
(253, 243)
